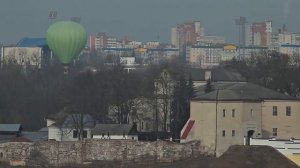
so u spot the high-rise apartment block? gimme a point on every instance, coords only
(186, 33)
(261, 33)
(257, 33)
(98, 41)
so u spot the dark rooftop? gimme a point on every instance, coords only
(35, 136)
(114, 129)
(57, 116)
(217, 74)
(10, 127)
(64, 120)
(240, 91)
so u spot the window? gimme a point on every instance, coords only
(84, 134)
(146, 126)
(288, 111)
(274, 110)
(224, 112)
(233, 113)
(251, 112)
(274, 131)
(75, 134)
(233, 133)
(223, 133)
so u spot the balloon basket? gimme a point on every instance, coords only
(66, 70)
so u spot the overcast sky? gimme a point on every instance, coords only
(143, 19)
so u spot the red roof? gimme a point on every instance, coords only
(187, 129)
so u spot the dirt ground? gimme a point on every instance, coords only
(235, 157)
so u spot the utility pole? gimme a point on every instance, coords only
(216, 133)
(156, 109)
(51, 16)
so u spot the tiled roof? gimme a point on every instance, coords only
(187, 129)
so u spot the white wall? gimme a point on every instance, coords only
(68, 134)
(54, 133)
(133, 137)
(127, 60)
(50, 122)
(285, 147)
(290, 149)
(23, 55)
(65, 134)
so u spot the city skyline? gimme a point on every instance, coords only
(143, 20)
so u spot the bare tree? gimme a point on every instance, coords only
(164, 84)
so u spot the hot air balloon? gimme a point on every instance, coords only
(66, 39)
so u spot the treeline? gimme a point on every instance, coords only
(273, 70)
(28, 95)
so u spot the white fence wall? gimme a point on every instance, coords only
(286, 147)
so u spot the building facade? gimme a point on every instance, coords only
(226, 116)
(29, 52)
(24, 56)
(65, 127)
(115, 131)
(211, 40)
(205, 56)
(290, 49)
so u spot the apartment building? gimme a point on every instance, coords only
(186, 33)
(258, 33)
(211, 55)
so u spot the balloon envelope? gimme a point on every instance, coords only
(66, 39)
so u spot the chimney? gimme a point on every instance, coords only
(207, 74)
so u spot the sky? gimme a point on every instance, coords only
(144, 20)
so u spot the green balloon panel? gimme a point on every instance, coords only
(66, 39)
